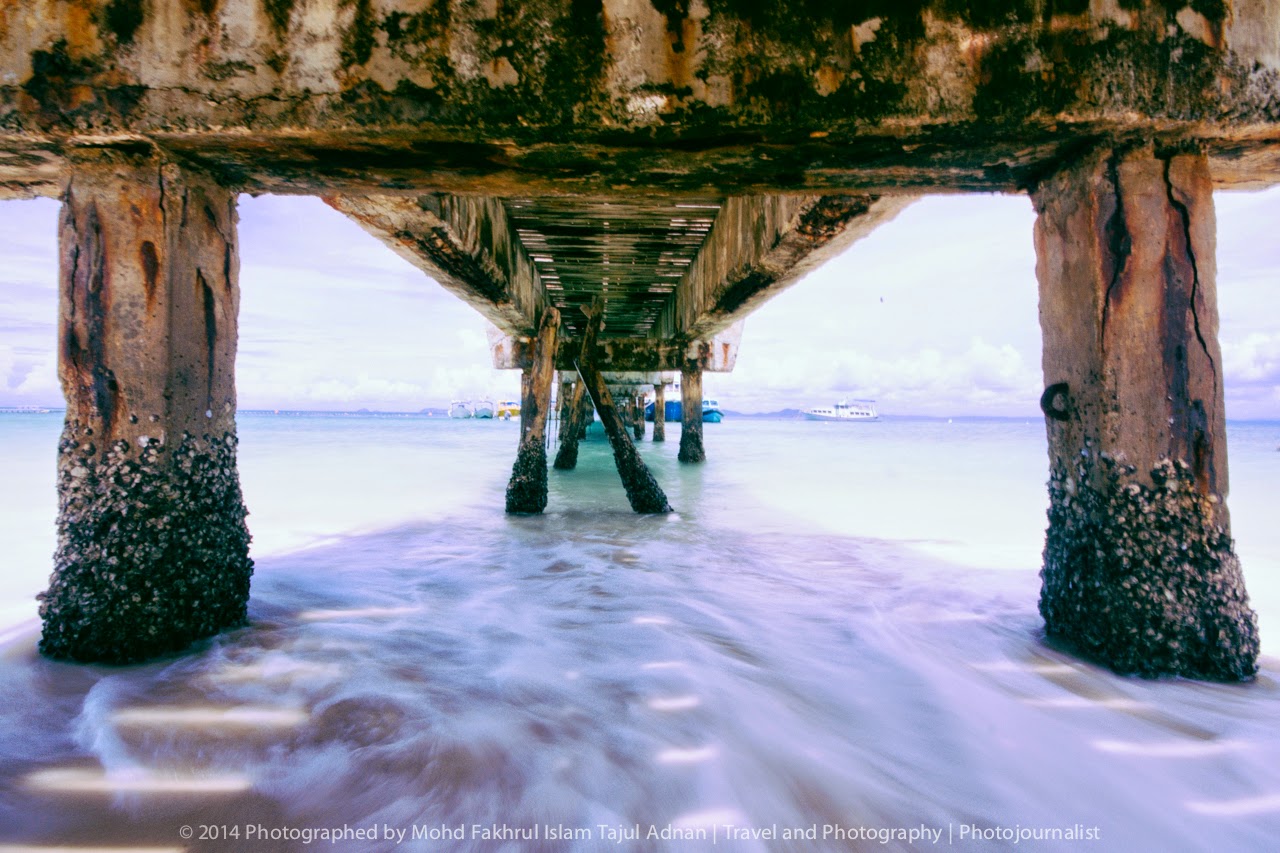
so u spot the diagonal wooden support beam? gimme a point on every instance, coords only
(527, 490)
(575, 412)
(643, 490)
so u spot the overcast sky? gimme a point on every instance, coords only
(934, 313)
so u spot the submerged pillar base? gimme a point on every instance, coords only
(643, 491)
(152, 548)
(1140, 578)
(691, 447)
(527, 489)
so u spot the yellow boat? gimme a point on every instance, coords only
(507, 409)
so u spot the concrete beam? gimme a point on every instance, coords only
(716, 354)
(465, 243)
(761, 245)
(306, 95)
(1139, 567)
(153, 552)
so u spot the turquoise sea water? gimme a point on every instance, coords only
(834, 634)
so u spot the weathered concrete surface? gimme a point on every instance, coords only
(643, 491)
(1139, 570)
(574, 95)
(527, 489)
(152, 545)
(691, 449)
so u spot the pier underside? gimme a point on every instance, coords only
(675, 165)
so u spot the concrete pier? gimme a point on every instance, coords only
(527, 489)
(153, 551)
(1139, 569)
(691, 415)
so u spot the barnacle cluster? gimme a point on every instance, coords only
(1142, 577)
(527, 489)
(153, 550)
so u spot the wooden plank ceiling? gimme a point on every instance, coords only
(634, 252)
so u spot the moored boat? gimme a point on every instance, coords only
(507, 409)
(673, 411)
(482, 409)
(845, 410)
(460, 409)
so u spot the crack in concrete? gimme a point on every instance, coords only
(1185, 215)
(1118, 242)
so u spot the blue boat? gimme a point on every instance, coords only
(674, 411)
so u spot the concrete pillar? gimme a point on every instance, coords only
(1139, 567)
(527, 489)
(152, 551)
(571, 428)
(659, 412)
(691, 415)
(637, 414)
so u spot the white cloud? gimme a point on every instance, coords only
(934, 313)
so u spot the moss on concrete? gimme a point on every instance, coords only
(153, 551)
(278, 13)
(1141, 578)
(359, 39)
(123, 18)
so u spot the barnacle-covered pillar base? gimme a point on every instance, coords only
(527, 488)
(1139, 568)
(153, 551)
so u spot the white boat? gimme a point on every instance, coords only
(482, 409)
(460, 409)
(845, 410)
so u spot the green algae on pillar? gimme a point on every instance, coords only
(153, 551)
(691, 415)
(1139, 568)
(527, 489)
